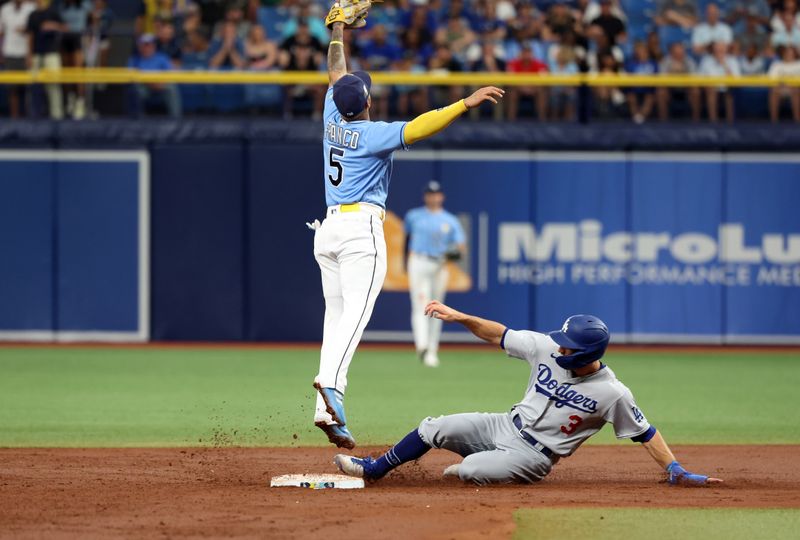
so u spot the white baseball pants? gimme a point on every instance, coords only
(351, 252)
(427, 280)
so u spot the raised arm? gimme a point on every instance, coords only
(660, 452)
(432, 122)
(337, 63)
(486, 330)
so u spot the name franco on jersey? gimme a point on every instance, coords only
(342, 136)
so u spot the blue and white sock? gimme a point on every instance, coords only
(410, 448)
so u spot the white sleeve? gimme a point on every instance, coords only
(625, 416)
(521, 344)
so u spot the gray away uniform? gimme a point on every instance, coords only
(558, 411)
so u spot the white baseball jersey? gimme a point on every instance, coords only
(560, 410)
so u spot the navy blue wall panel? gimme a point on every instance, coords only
(197, 242)
(762, 198)
(285, 190)
(26, 247)
(98, 246)
(500, 191)
(682, 200)
(588, 199)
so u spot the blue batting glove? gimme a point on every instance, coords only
(679, 475)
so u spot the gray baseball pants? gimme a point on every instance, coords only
(493, 450)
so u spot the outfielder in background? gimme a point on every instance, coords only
(571, 395)
(349, 245)
(433, 237)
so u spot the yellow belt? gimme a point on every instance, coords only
(356, 207)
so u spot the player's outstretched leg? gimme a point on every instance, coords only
(410, 448)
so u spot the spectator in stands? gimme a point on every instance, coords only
(260, 53)
(786, 25)
(458, 36)
(719, 63)
(99, 23)
(45, 27)
(302, 52)
(654, 46)
(740, 12)
(234, 15)
(76, 16)
(787, 65)
(528, 23)
(418, 42)
(227, 51)
(752, 62)
(599, 46)
(505, 11)
(167, 43)
(527, 63)
(562, 98)
(680, 13)
(641, 100)
(611, 24)
(560, 21)
(190, 22)
(491, 61)
(610, 100)
(443, 61)
(752, 31)
(421, 18)
(594, 8)
(712, 30)
(149, 59)
(379, 55)
(411, 99)
(144, 18)
(389, 15)
(196, 53)
(308, 12)
(677, 62)
(13, 26)
(458, 9)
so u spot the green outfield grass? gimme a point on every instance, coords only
(200, 396)
(661, 523)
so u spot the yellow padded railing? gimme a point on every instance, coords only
(127, 76)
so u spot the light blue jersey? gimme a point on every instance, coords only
(358, 157)
(432, 233)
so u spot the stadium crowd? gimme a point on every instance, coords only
(730, 37)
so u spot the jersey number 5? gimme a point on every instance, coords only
(338, 152)
(574, 422)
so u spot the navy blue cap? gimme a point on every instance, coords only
(350, 93)
(433, 187)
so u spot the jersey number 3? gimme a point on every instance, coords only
(334, 162)
(574, 422)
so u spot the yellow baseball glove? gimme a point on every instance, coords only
(353, 13)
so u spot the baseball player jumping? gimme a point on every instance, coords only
(349, 245)
(571, 394)
(434, 236)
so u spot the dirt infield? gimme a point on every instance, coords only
(223, 492)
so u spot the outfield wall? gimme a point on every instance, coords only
(188, 240)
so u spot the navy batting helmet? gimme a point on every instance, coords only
(587, 335)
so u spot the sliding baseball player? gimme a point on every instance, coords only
(571, 395)
(349, 245)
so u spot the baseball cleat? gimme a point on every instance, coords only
(431, 359)
(338, 435)
(334, 403)
(353, 466)
(452, 470)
